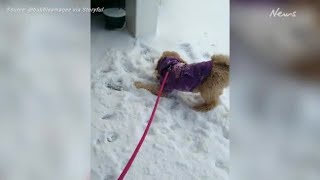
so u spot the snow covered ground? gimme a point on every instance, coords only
(182, 143)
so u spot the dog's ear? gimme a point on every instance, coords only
(182, 61)
(170, 54)
(221, 59)
(157, 73)
(158, 63)
(173, 54)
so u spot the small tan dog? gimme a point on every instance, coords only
(208, 78)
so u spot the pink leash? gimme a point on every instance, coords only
(134, 154)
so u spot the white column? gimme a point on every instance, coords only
(131, 16)
(142, 17)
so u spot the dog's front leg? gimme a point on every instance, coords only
(153, 88)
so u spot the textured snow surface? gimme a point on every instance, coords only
(182, 143)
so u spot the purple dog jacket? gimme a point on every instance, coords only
(183, 77)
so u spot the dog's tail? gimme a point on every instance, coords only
(221, 59)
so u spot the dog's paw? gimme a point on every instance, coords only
(199, 108)
(203, 107)
(138, 84)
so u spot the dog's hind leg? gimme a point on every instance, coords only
(206, 106)
(153, 88)
(211, 100)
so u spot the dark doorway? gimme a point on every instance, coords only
(108, 3)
